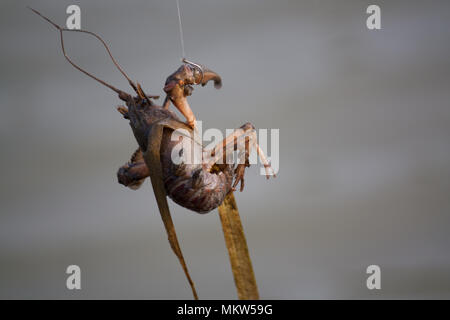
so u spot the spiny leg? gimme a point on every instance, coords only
(243, 139)
(123, 111)
(240, 168)
(228, 145)
(265, 163)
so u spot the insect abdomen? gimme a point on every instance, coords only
(190, 185)
(195, 188)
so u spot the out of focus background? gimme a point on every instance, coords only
(364, 119)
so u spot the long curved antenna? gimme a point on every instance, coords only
(79, 68)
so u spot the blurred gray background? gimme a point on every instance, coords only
(364, 121)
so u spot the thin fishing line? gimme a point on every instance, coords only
(181, 31)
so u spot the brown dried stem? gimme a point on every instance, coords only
(241, 263)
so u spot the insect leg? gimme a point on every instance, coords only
(123, 111)
(264, 161)
(133, 173)
(230, 144)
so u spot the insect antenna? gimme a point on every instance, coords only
(132, 84)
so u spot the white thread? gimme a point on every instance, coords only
(181, 30)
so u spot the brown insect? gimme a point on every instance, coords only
(201, 186)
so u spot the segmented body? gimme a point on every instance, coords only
(190, 185)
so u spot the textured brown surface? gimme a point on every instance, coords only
(237, 249)
(152, 159)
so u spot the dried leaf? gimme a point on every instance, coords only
(241, 264)
(152, 159)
